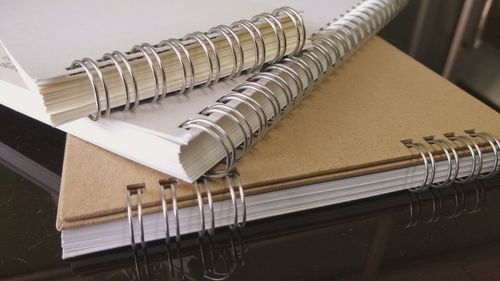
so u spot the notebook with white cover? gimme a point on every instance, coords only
(43, 40)
(175, 150)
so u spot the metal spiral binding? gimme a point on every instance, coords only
(209, 272)
(93, 69)
(182, 55)
(448, 147)
(240, 121)
(119, 60)
(164, 185)
(495, 146)
(294, 77)
(451, 158)
(277, 28)
(208, 261)
(438, 210)
(258, 40)
(430, 170)
(216, 131)
(136, 189)
(299, 25)
(475, 153)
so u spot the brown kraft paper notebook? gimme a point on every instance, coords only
(350, 125)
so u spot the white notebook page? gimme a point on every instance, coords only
(45, 37)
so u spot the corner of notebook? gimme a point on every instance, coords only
(62, 189)
(12, 71)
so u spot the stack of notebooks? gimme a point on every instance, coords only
(351, 116)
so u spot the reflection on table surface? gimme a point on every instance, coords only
(451, 234)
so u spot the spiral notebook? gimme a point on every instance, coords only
(175, 143)
(48, 51)
(179, 128)
(344, 142)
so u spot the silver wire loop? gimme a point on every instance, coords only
(345, 34)
(136, 189)
(279, 34)
(152, 51)
(295, 78)
(307, 70)
(235, 57)
(200, 38)
(119, 60)
(456, 160)
(320, 69)
(254, 106)
(318, 42)
(268, 94)
(234, 179)
(278, 80)
(92, 69)
(430, 170)
(362, 21)
(260, 42)
(333, 39)
(170, 183)
(350, 30)
(215, 131)
(495, 145)
(444, 146)
(154, 61)
(164, 185)
(237, 118)
(259, 49)
(174, 46)
(209, 273)
(298, 23)
(365, 16)
(255, 109)
(238, 48)
(203, 184)
(215, 256)
(199, 198)
(475, 154)
(215, 59)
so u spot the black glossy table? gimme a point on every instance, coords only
(449, 235)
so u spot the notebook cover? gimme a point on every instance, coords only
(351, 125)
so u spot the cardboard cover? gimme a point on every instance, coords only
(351, 125)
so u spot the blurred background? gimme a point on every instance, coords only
(459, 39)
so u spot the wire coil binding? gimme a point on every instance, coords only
(137, 189)
(455, 165)
(152, 55)
(279, 87)
(169, 203)
(268, 95)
